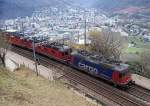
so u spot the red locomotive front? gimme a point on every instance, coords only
(122, 76)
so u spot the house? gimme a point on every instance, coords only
(147, 38)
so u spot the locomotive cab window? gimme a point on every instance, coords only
(65, 53)
(123, 74)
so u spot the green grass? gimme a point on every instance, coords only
(139, 45)
(133, 50)
(139, 42)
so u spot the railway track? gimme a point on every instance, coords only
(140, 92)
(117, 96)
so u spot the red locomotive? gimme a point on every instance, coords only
(54, 50)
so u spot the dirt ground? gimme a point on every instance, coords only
(24, 88)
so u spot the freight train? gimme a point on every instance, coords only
(111, 71)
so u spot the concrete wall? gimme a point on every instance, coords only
(14, 60)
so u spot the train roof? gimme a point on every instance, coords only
(44, 39)
(36, 39)
(57, 45)
(28, 37)
(16, 34)
(121, 67)
(105, 62)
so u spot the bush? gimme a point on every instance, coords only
(136, 68)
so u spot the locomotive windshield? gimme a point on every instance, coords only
(123, 73)
(67, 52)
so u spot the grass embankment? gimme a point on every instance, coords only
(24, 88)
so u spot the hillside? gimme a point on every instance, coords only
(21, 8)
(120, 4)
(24, 88)
(15, 8)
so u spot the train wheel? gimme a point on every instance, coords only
(115, 85)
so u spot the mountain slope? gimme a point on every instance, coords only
(14, 8)
(110, 5)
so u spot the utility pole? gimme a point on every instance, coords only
(22, 27)
(34, 56)
(63, 39)
(85, 33)
(6, 27)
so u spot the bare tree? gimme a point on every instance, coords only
(145, 62)
(106, 43)
(3, 48)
